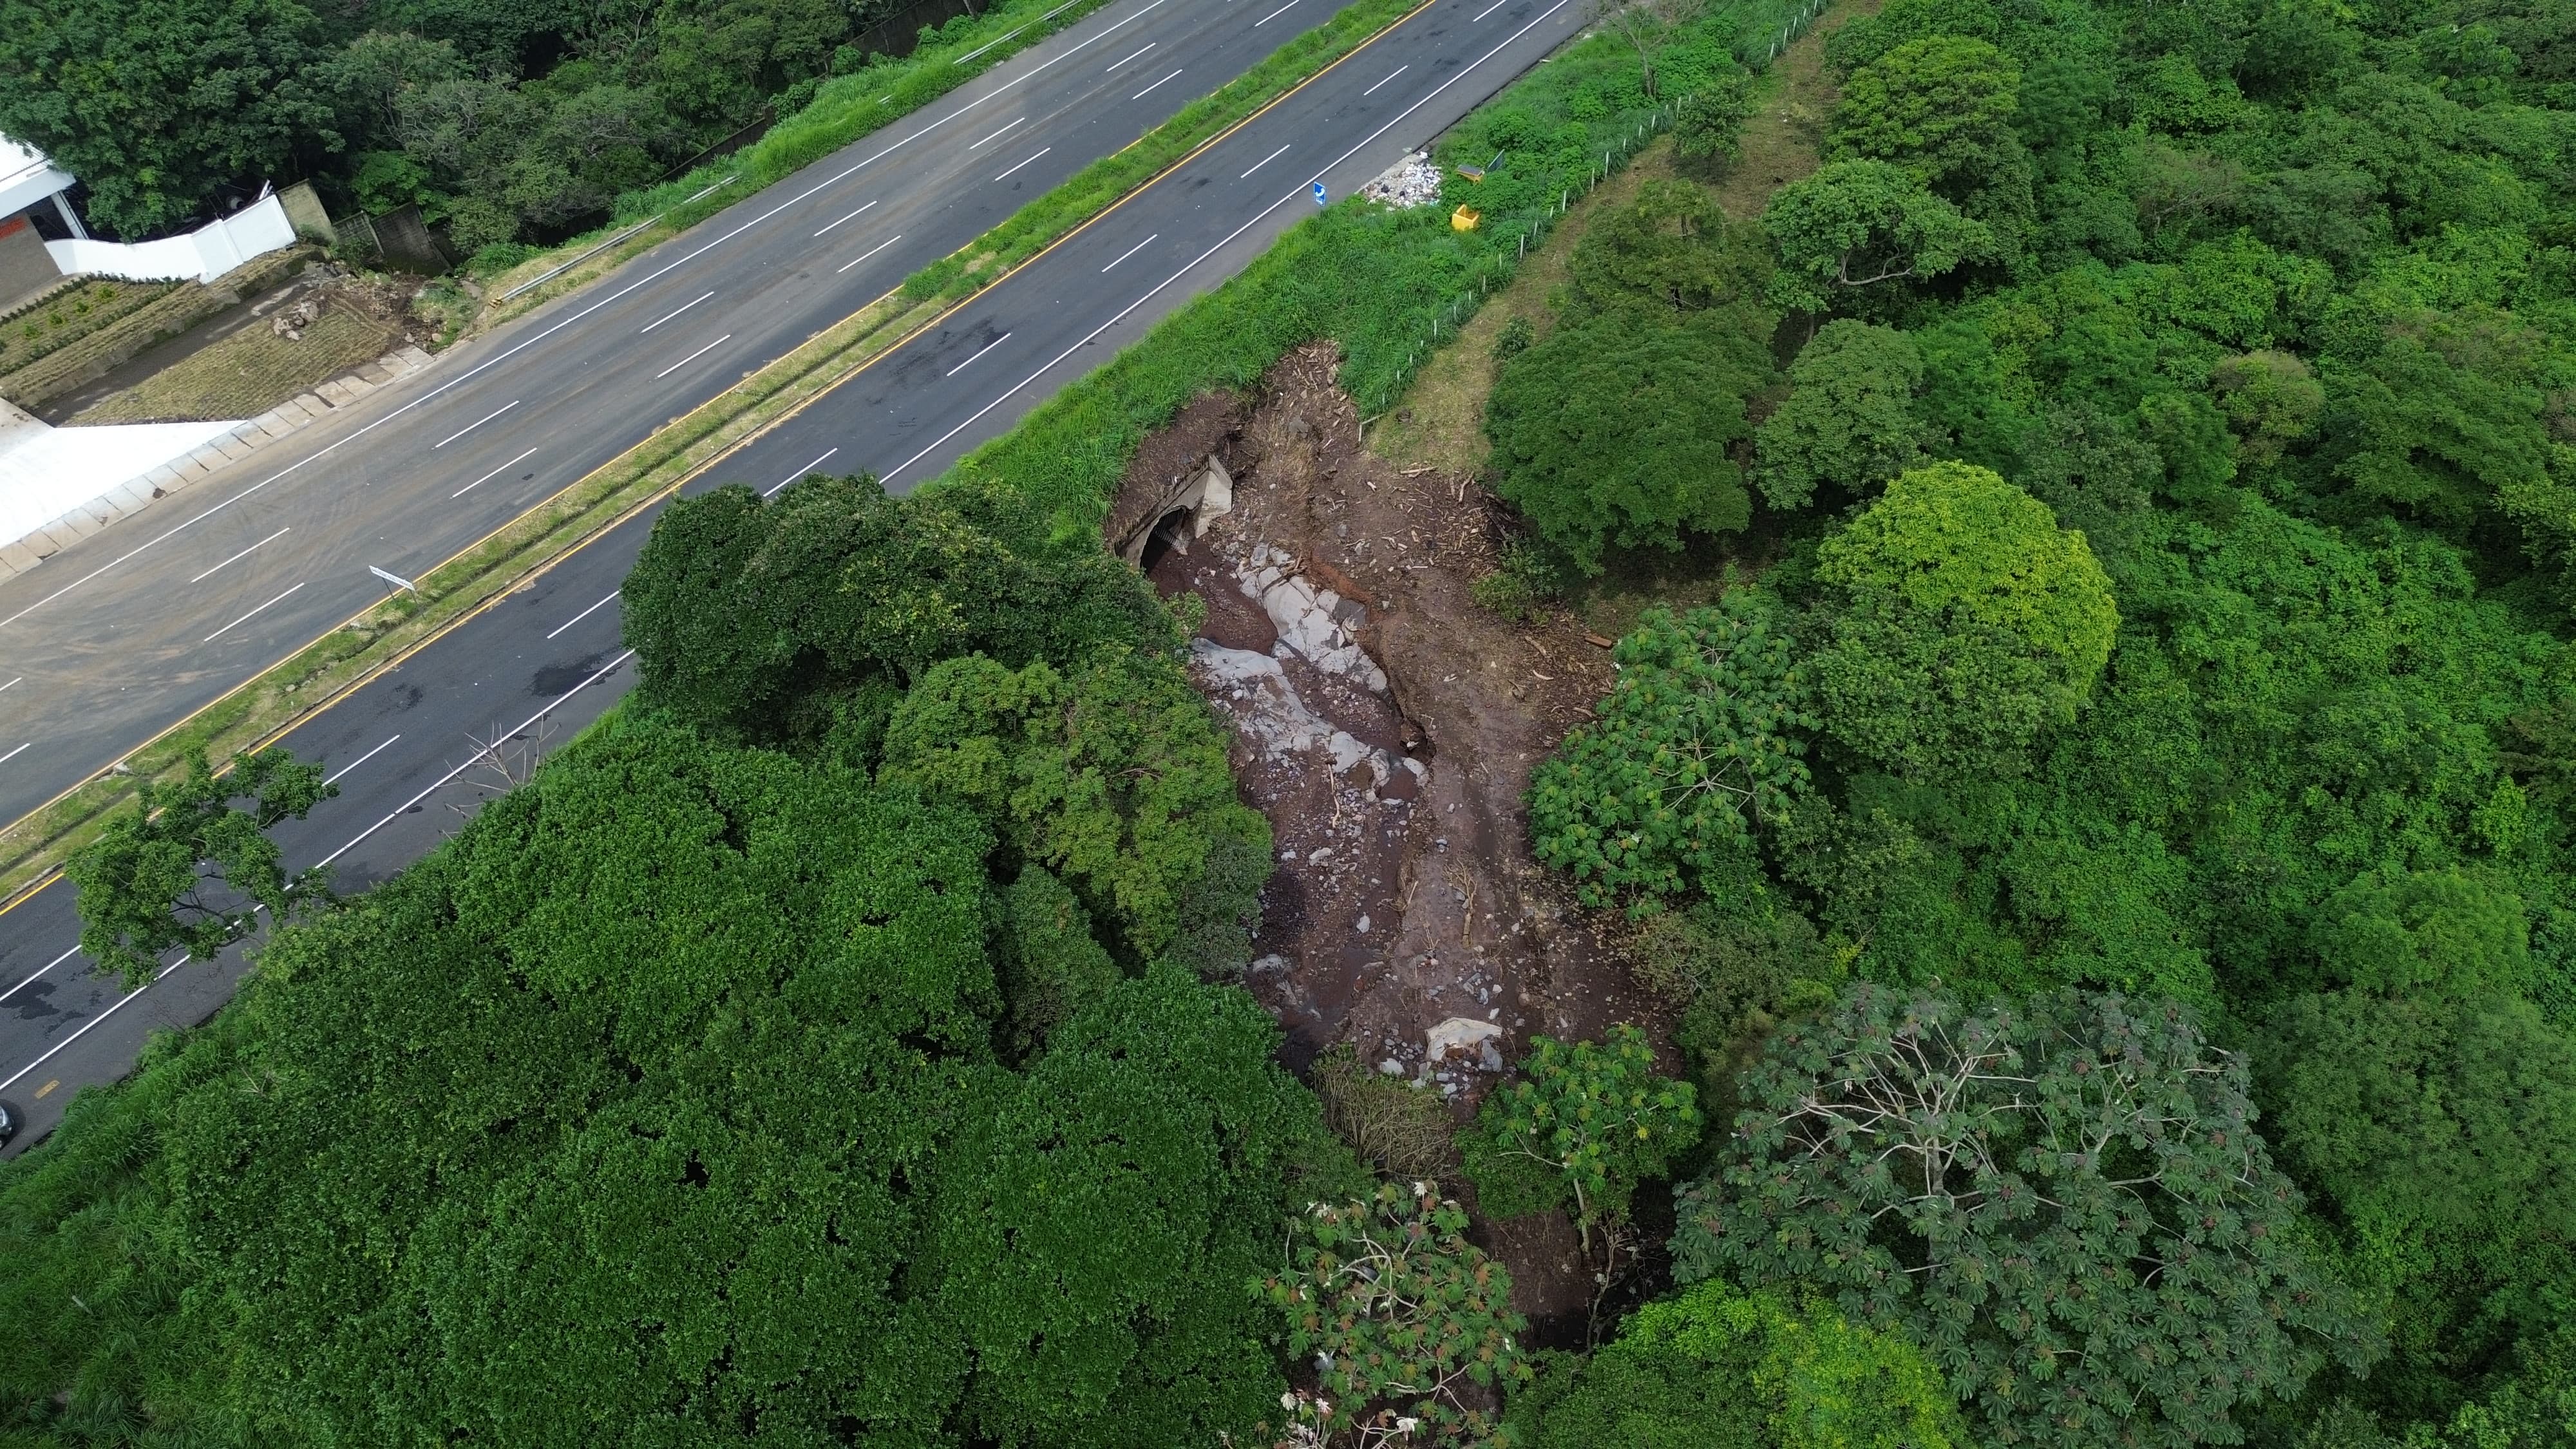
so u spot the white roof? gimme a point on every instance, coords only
(26, 177)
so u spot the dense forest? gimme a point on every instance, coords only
(504, 121)
(2097, 790)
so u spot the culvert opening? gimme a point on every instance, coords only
(1170, 534)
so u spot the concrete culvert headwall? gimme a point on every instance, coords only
(1173, 515)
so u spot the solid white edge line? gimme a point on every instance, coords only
(692, 357)
(799, 473)
(334, 777)
(112, 1009)
(872, 251)
(518, 347)
(676, 311)
(1390, 75)
(1005, 176)
(1275, 14)
(1264, 161)
(1149, 90)
(227, 563)
(211, 638)
(987, 347)
(997, 135)
(586, 613)
(478, 422)
(1131, 251)
(605, 670)
(497, 472)
(1468, 70)
(862, 211)
(40, 972)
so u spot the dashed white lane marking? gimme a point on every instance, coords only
(1149, 90)
(860, 212)
(1264, 161)
(478, 422)
(13, 754)
(997, 135)
(1275, 14)
(219, 568)
(334, 777)
(1490, 9)
(1149, 45)
(93, 1021)
(1131, 251)
(1390, 75)
(13, 684)
(1007, 175)
(584, 614)
(676, 311)
(872, 251)
(987, 347)
(495, 473)
(244, 619)
(799, 473)
(40, 972)
(692, 357)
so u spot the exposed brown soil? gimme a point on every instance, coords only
(1393, 909)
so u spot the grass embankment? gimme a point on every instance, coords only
(251, 371)
(1438, 422)
(1387, 285)
(275, 701)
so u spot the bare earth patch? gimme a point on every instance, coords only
(1401, 898)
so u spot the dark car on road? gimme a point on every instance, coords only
(8, 1123)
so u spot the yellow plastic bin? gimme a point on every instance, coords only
(1465, 219)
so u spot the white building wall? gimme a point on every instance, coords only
(200, 256)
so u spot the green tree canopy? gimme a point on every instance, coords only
(765, 618)
(1856, 225)
(2456, 1114)
(1849, 423)
(1670, 251)
(1111, 774)
(1941, 107)
(662, 1105)
(2401, 933)
(1621, 433)
(1715, 1366)
(1965, 621)
(2064, 1202)
(156, 104)
(1581, 1127)
(144, 884)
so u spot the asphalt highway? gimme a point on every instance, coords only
(139, 625)
(419, 747)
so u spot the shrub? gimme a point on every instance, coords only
(1595, 1119)
(1701, 741)
(1402, 1314)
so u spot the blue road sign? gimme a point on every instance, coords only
(1319, 193)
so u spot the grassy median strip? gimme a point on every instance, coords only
(287, 693)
